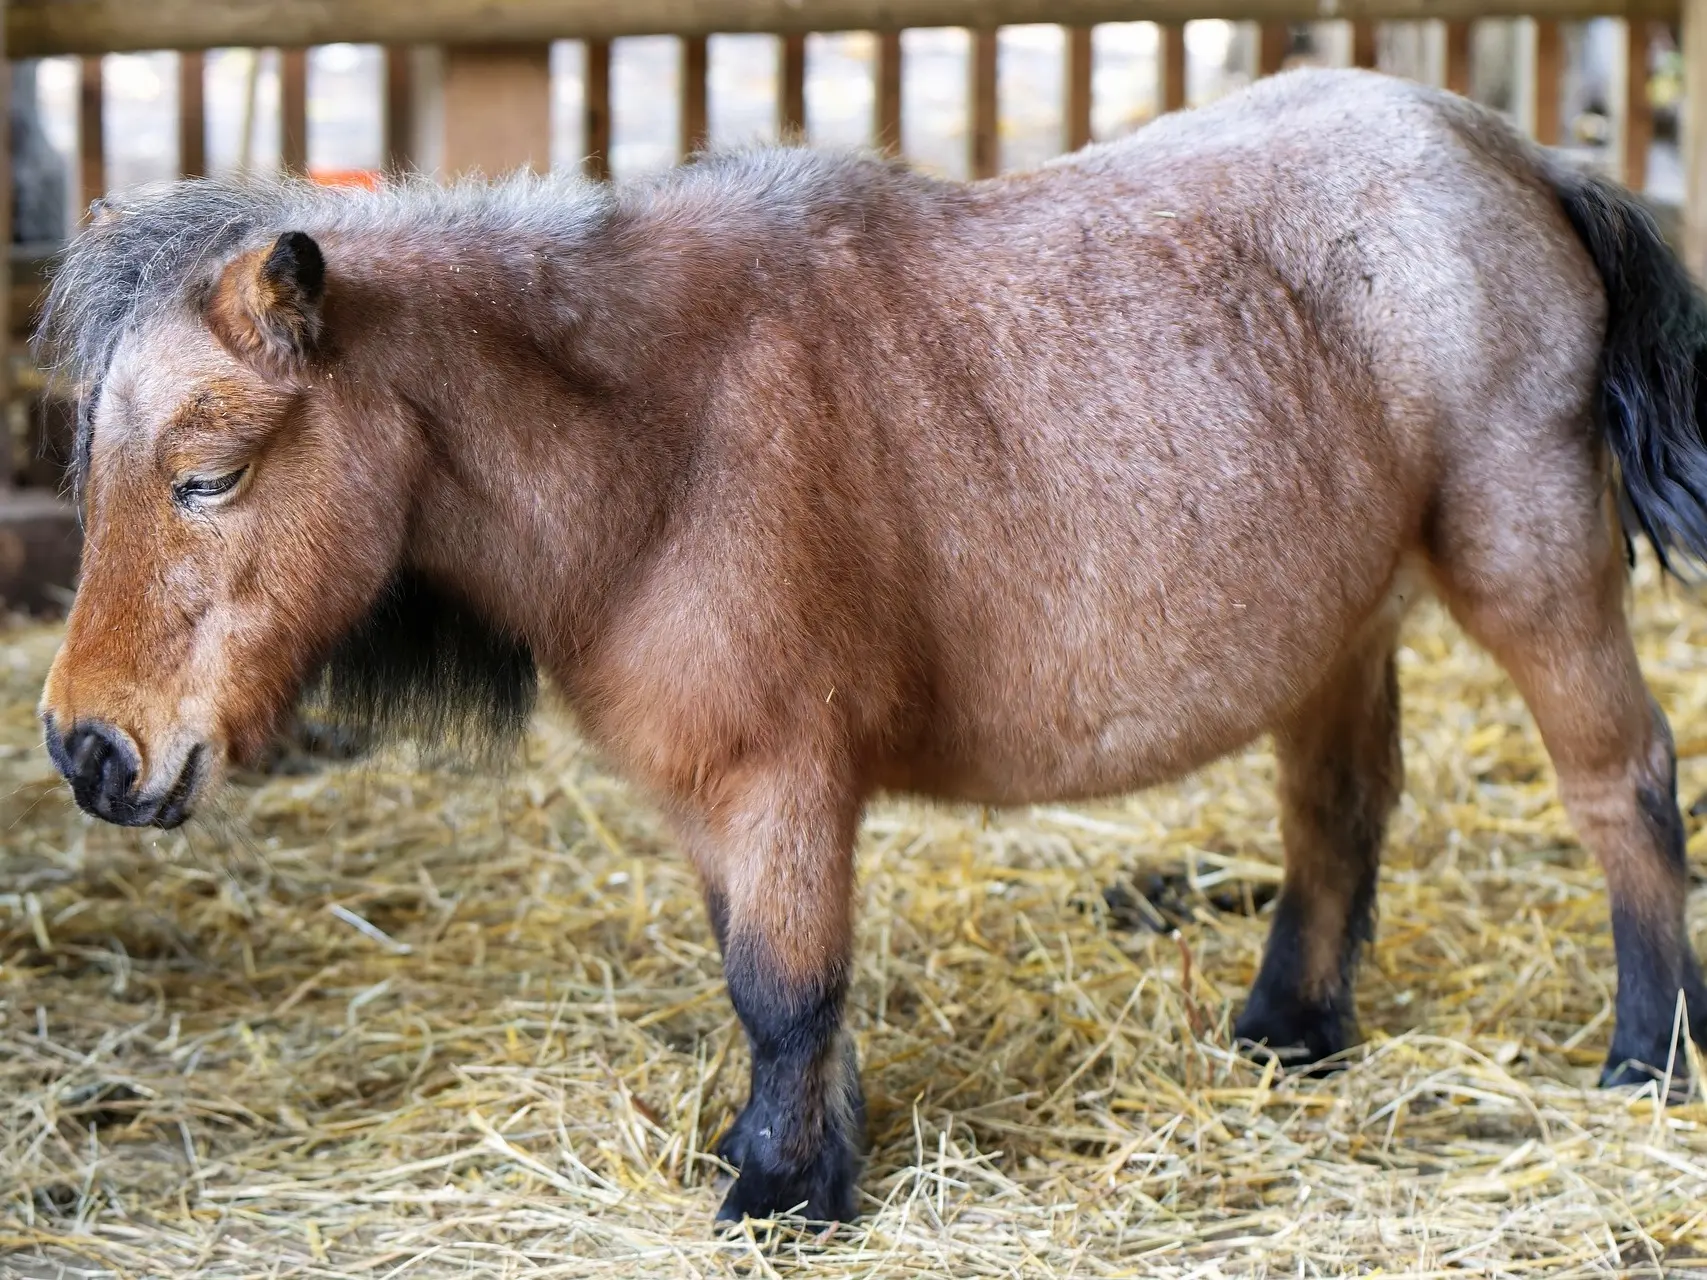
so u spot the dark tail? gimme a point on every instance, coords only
(1652, 401)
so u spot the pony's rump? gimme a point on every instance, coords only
(1653, 374)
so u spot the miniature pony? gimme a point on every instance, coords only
(806, 478)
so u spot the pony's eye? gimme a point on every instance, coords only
(205, 489)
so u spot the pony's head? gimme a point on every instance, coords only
(245, 511)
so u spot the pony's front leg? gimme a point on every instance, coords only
(778, 871)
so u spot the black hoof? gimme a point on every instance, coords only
(1624, 1069)
(1296, 1033)
(821, 1189)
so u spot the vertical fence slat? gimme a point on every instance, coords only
(886, 128)
(1638, 111)
(1458, 57)
(1364, 51)
(91, 134)
(399, 109)
(1172, 75)
(595, 109)
(293, 110)
(192, 115)
(1693, 143)
(983, 136)
(1272, 40)
(497, 108)
(692, 135)
(1549, 57)
(1080, 51)
(791, 89)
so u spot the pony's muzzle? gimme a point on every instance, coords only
(101, 765)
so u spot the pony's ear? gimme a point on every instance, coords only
(266, 305)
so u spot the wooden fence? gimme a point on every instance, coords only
(496, 71)
(491, 98)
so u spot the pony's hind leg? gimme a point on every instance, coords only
(1340, 775)
(1557, 625)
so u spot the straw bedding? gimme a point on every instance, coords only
(377, 1021)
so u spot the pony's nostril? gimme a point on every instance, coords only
(86, 746)
(117, 773)
(98, 765)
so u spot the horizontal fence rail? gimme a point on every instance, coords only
(49, 28)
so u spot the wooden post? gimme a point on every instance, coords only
(1638, 111)
(39, 544)
(1694, 140)
(887, 126)
(293, 110)
(6, 240)
(497, 103)
(1172, 77)
(246, 119)
(1458, 57)
(1549, 58)
(984, 137)
(1080, 59)
(39, 539)
(692, 134)
(399, 109)
(91, 135)
(791, 89)
(192, 115)
(1364, 50)
(595, 109)
(1273, 38)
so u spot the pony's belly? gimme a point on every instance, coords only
(1129, 751)
(1016, 736)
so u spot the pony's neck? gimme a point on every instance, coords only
(553, 395)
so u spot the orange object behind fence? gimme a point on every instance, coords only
(368, 178)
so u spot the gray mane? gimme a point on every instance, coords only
(149, 249)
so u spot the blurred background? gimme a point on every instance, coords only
(345, 99)
(960, 102)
